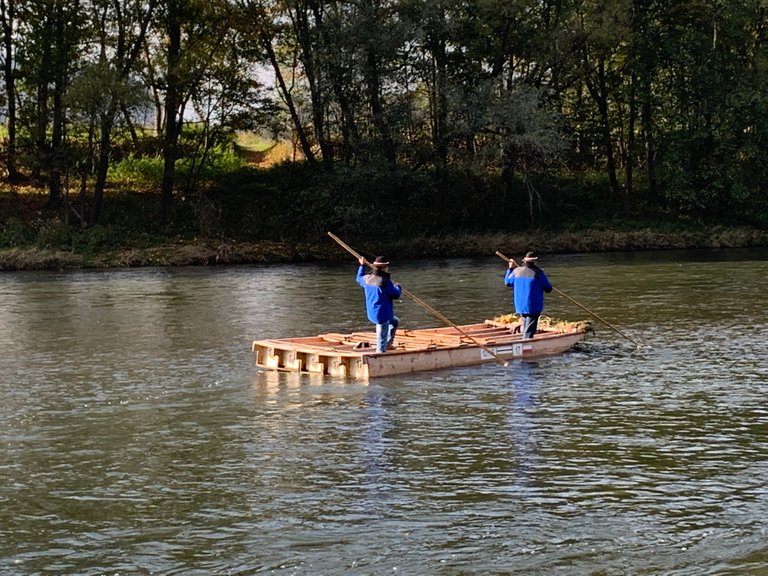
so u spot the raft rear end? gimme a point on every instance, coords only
(308, 355)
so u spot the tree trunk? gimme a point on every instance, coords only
(315, 84)
(57, 128)
(172, 104)
(41, 125)
(377, 109)
(645, 64)
(57, 141)
(102, 166)
(7, 14)
(123, 61)
(599, 93)
(629, 160)
(349, 133)
(156, 100)
(306, 147)
(131, 127)
(440, 108)
(650, 149)
(436, 46)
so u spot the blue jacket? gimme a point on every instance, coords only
(380, 291)
(528, 284)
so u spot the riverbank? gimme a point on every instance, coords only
(209, 252)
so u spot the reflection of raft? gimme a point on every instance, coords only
(354, 355)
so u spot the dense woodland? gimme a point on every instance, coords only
(401, 116)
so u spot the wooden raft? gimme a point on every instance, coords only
(354, 355)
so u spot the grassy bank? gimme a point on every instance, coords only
(200, 251)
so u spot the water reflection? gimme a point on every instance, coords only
(373, 447)
(521, 421)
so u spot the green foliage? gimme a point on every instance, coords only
(138, 172)
(293, 201)
(424, 117)
(146, 172)
(15, 233)
(220, 160)
(96, 86)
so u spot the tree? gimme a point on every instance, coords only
(228, 97)
(603, 26)
(271, 35)
(121, 27)
(186, 39)
(49, 52)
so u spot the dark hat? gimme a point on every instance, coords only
(380, 262)
(530, 257)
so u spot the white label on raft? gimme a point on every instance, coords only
(515, 350)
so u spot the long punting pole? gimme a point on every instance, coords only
(421, 302)
(564, 295)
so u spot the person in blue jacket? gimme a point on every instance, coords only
(529, 283)
(380, 292)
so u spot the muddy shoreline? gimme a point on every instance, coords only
(213, 252)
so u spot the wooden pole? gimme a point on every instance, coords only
(420, 302)
(564, 295)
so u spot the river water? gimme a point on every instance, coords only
(137, 437)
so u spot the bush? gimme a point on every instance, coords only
(15, 233)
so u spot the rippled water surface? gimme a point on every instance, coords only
(136, 437)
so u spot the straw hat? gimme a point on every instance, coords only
(380, 262)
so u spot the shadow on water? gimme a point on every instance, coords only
(373, 448)
(521, 420)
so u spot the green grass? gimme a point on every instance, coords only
(253, 141)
